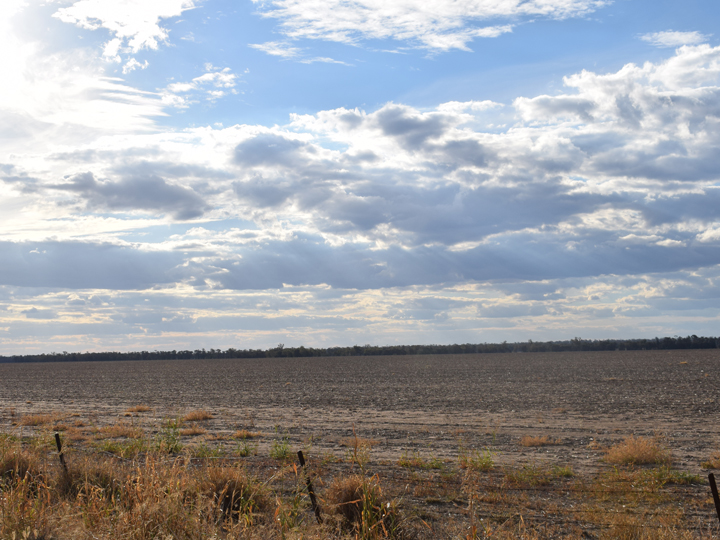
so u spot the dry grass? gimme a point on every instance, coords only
(197, 416)
(352, 442)
(530, 441)
(138, 409)
(244, 434)
(157, 496)
(713, 462)
(116, 431)
(37, 419)
(193, 431)
(359, 501)
(638, 451)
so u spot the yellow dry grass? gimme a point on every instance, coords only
(713, 462)
(138, 409)
(197, 416)
(116, 431)
(244, 434)
(638, 451)
(35, 420)
(193, 430)
(544, 440)
(351, 442)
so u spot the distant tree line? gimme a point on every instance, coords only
(575, 344)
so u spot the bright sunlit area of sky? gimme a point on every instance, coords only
(180, 174)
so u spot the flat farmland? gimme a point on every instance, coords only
(419, 421)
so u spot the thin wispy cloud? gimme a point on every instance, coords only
(671, 39)
(277, 48)
(437, 26)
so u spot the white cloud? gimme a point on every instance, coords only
(323, 60)
(604, 190)
(438, 26)
(277, 48)
(132, 65)
(670, 38)
(135, 24)
(215, 84)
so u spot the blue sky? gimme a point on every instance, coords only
(184, 173)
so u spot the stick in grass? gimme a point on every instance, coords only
(59, 447)
(311, 491)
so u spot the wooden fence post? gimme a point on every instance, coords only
(311, 491)
(62, 457)
(714, 489)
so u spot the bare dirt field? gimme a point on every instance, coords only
(533, 428)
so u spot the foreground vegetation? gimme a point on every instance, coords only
(121, 482)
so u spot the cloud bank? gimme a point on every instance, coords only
(598, 204)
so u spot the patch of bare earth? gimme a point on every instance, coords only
(605, 445)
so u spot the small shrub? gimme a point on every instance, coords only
(638, 451)
(280, 449)
(246, 449)
(359, 500)
(16, 467)
(168, 440)
(197, 416)
(89, 477)
(236, 495)
(476, 460)
(713, 462)
(563, 472)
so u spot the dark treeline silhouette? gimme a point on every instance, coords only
(576, 344)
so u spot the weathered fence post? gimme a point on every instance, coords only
(59, 447)
(714, 489)
(311, 491)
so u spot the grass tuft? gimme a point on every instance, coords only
(416, 461)
(477, 460)
(138, 409)
(530, 441)
(360, 502)
(197, 416)
(638, 451)
(35, 420)
(192, 431)
(713, 462)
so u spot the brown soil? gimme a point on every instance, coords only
(432, 407)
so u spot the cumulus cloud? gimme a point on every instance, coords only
(671, 39)
(437, 26)
(134, 24)
(132, 65)
(604, 193)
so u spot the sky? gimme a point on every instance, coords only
(184, 174)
